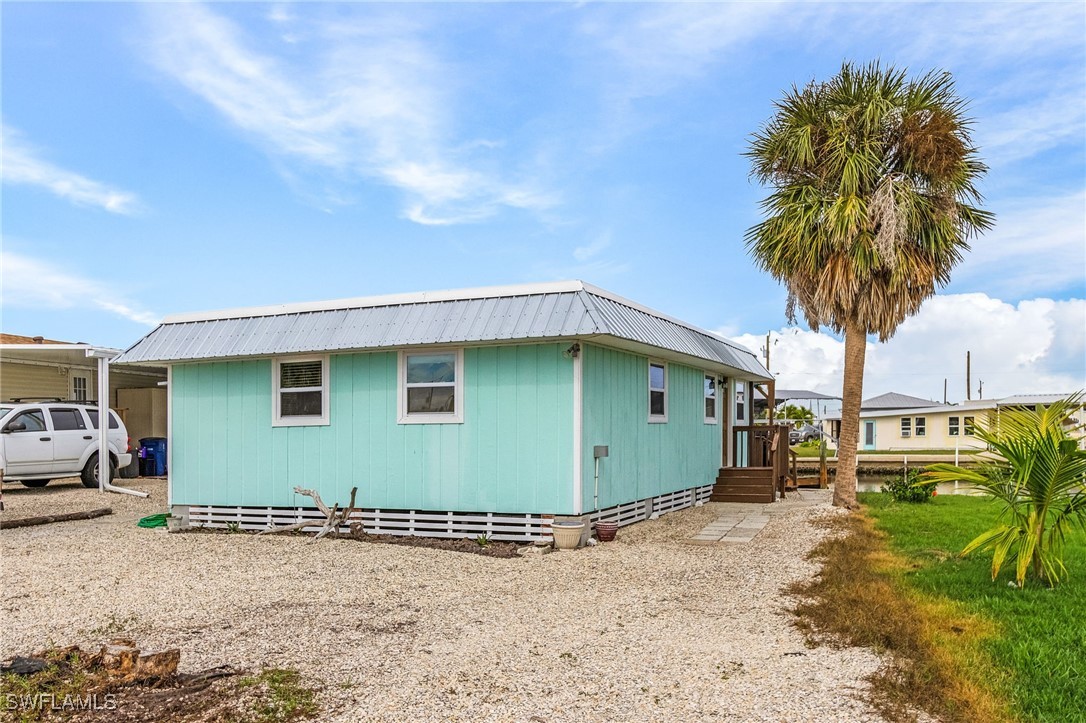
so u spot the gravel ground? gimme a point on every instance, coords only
(644, 628)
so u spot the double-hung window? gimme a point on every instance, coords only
(710, 399)
(657, 391)
(301, 391)
(970, 427)
(952, 427)
(920, 425)
(906, 427)
(431, 387)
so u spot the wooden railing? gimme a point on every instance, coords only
(766, 445)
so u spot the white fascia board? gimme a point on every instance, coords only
(422, 297)
(47, 347)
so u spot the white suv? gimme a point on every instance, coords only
(41, 442)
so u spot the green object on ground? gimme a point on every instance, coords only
(153, 520)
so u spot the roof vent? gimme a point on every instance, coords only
(39, 339)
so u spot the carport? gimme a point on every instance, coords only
(40, 371)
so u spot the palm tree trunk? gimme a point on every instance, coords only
(844, 486)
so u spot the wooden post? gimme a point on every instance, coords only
(770, 397)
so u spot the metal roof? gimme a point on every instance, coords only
(894, 400)
(501, 314)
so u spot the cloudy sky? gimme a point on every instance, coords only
(160, 158)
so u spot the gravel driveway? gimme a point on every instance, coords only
(644, 628)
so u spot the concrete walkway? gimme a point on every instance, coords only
(740, 522)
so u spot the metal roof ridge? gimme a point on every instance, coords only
(592, 289)
(418, 297)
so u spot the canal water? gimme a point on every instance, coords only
(874, 483)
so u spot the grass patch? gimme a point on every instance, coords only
(1039, 645)
(860, 599)
(286, 698)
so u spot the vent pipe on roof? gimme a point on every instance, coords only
(39, 339)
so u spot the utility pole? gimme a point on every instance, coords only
(980, 390)
(767, 349)
(968, 379)
(944, 390)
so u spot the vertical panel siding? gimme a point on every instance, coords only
(511, 454)
(644, 459)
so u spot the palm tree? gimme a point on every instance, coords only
(872, 178)
(1038, 480)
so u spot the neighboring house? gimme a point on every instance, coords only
(472, 411)
(35, 368)
(933, 426)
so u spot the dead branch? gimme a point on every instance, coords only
(334, 518)
(48, 519)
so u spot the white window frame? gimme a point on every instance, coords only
(953, 426)
(656, 418)
(278, 420)
(969, 426)
(716, 398)
(75, 387)
(906, 427)
(920, 427)
(456, 417)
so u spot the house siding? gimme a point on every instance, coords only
(511, 453)
(888, 431)
(645, 459)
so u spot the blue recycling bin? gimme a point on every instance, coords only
(153, 456)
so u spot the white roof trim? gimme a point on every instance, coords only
(57, 347)
(420, 297)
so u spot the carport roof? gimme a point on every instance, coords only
(551, 311)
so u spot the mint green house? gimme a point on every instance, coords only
(454, 413)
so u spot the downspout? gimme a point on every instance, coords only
(104, 467)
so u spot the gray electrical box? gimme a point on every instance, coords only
(600, 450)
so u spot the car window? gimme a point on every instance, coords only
(4, 411)
(32, 418)
(67, 419)
(93, 414)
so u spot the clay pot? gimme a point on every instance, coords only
(606, 531)
(567, 534)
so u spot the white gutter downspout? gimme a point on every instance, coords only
(104, 467)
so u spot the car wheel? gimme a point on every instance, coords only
(809, 438)
(35, 482)
(90, 471)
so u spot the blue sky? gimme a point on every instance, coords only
(162, 158)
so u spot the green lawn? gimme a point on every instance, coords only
(1039, 645)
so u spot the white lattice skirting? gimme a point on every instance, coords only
(496, 526)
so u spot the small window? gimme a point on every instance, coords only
(740, 403)
(65, 420)
(431, 387)
(710, 399)
(93, 414)
(79, 389)
(33, 420)
(301, 391)
(657, 392)
(970, 428)
(906, 427)
(952, 427)
(920, 425)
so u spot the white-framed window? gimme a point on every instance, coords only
(952, 427)
(920, 426)
(657, 391)
(740, 403)
(79, 389)
(906, 427)
(431, 387)
(300, 386)
(970, 427)
(710, 398)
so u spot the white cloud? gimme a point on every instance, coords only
(593, 248)
(33, 283)
(23, 165)
(1035, 346)
(371, 101)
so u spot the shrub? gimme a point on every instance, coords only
(1037, 481)
(909, 487)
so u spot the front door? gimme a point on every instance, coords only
(28, 451)
(869, 434)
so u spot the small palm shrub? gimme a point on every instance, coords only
(1040, 483)
(909, 487)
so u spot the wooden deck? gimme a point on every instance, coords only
(771, 470)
